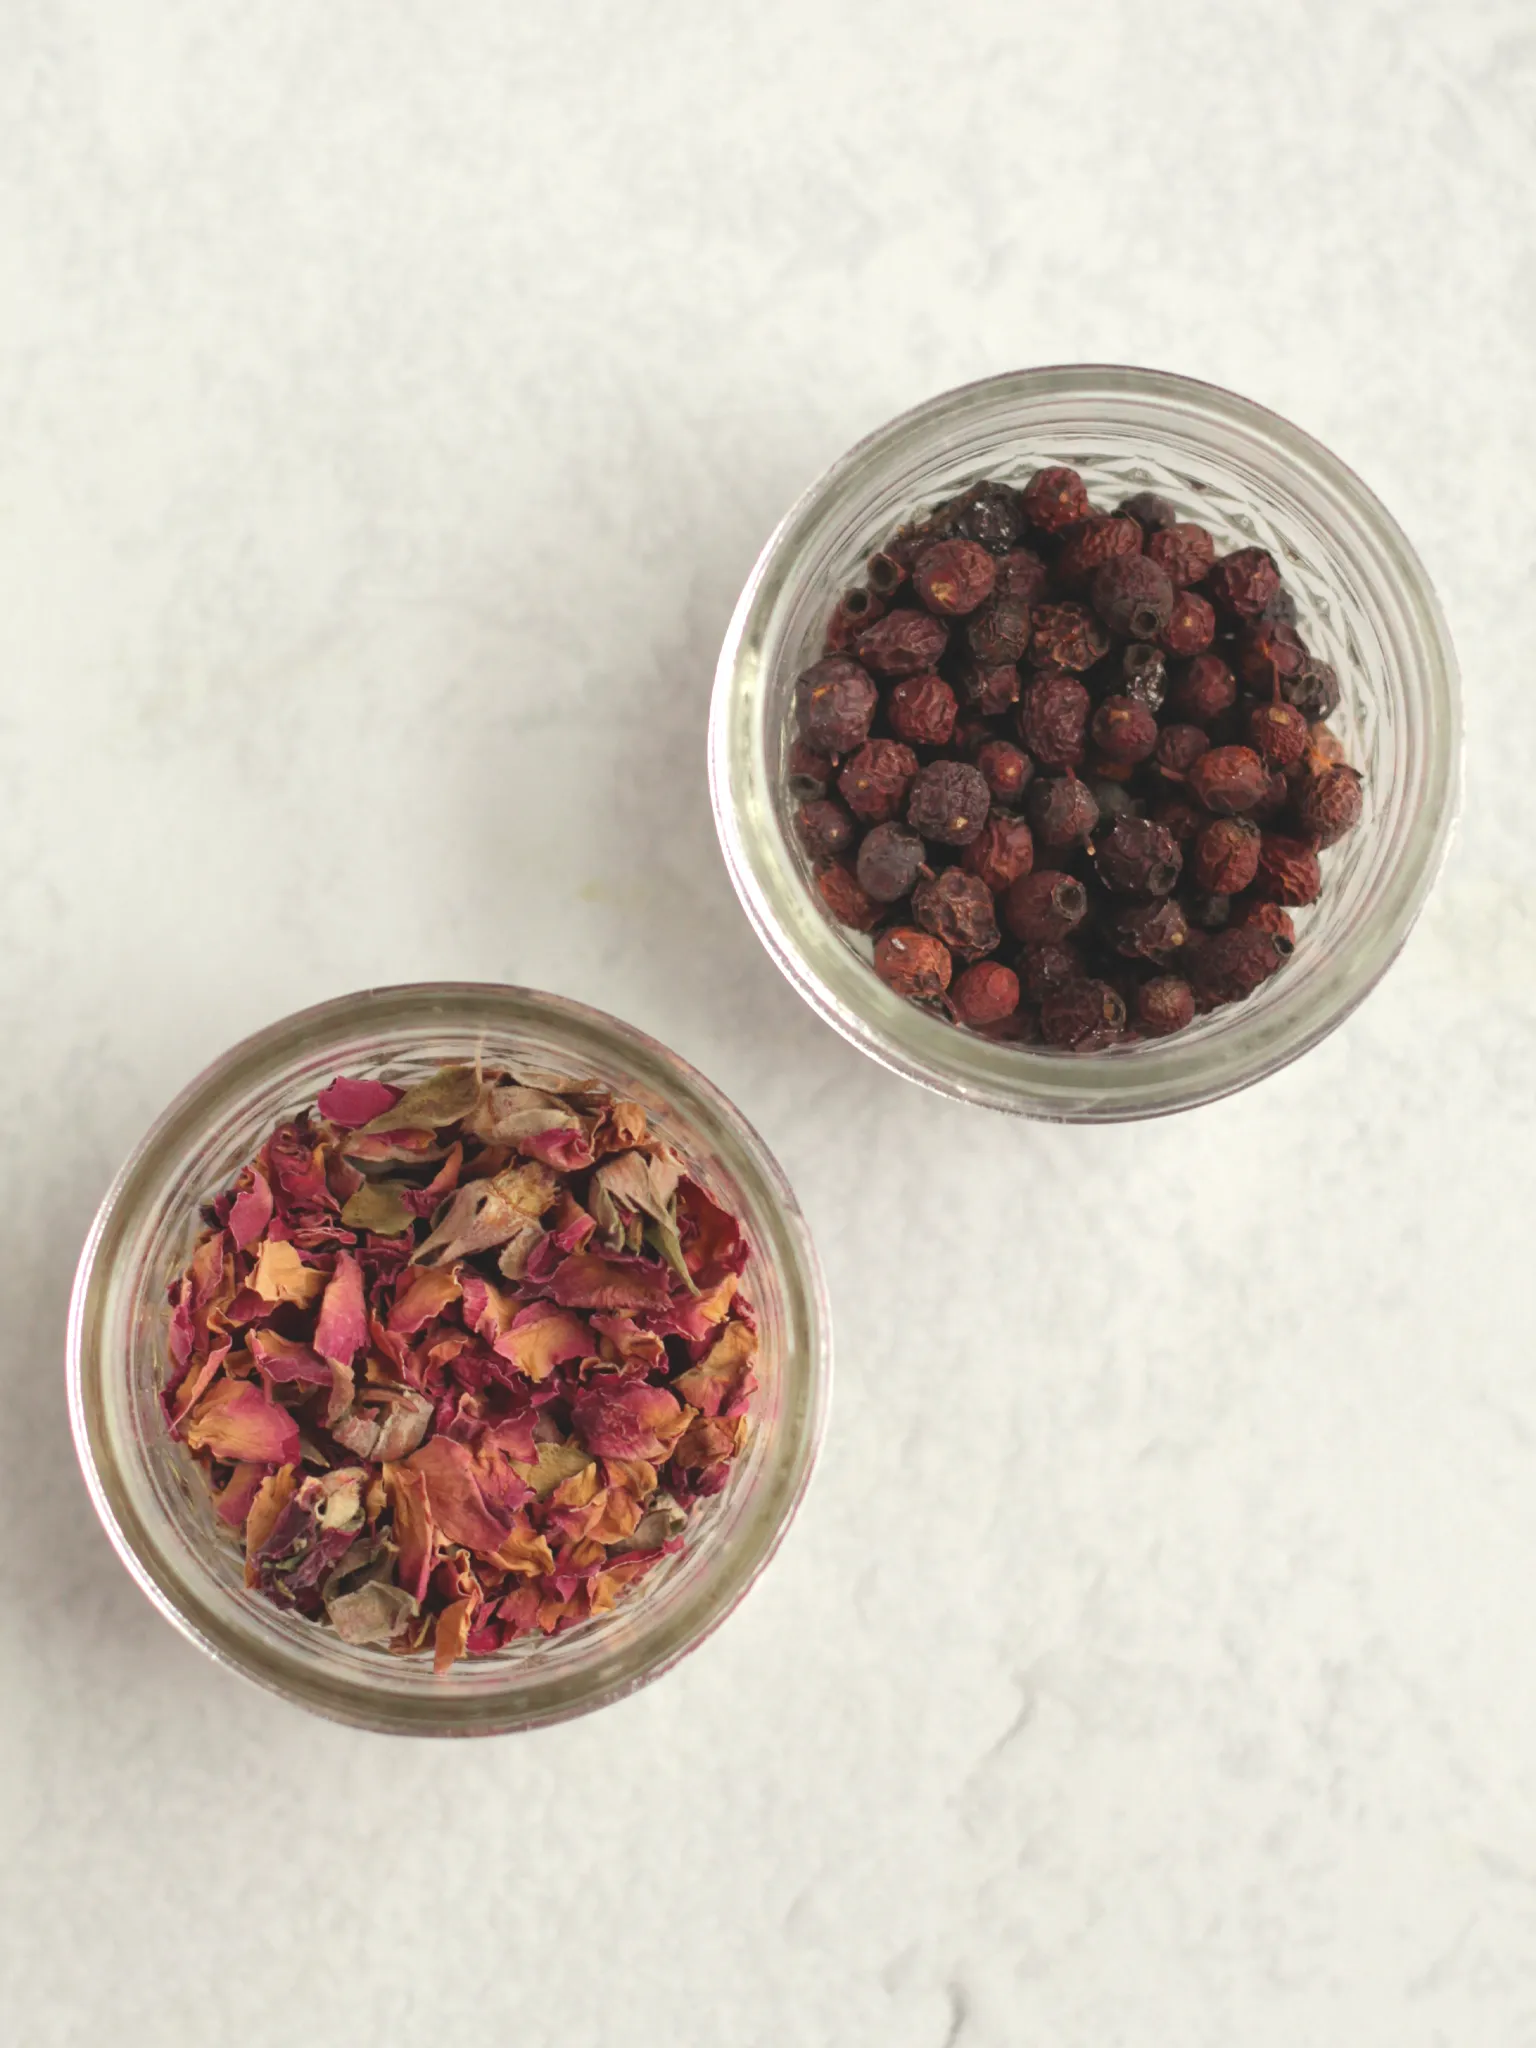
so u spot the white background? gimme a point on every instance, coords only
(393, 398)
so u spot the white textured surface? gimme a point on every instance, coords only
(392, 400)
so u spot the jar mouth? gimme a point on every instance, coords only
(161, 1525)
(1254, 477)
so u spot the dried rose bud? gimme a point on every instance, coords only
(1000, 631)
(1132, 595)
(824, 826)
(1044, 906)
(913, 963)
(1137, 857)
(1022, 576)
(1053, 720)
(1149, 931)
(1329, 804)
(1124, 730)
(810, 773)
(954, 576)
(1314, 689)
(1277, 733)
(1191, 625)
(846, 899)
(1055, 499)
(949, 801)
(1225, 855)
(1051, 966)
(1083, 1016)
(884, 574)
(904, 643)
(1005, 769)
(1179, 747)
(875, 781)
(890, 860)
(1184, 553)
(922, 710)
(1268, 917)
(984, 994)
(1063, 811)
(989, 687)
(990, 514)
(1002, 850)
(1288, 871)
(1153, 514)
(1144, 672)
(1269, 655)
(1163, 1005)
(1203, 691)
(957, 908)
(834, 701)
(1092, 543)
(1232, 964)
(1242, 583)
(1228, 779)
(1068, 635)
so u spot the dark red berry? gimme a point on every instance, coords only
(824, 826)
(890, 859)
(1092, 543)
(855, 610)
(1269, 655)
(1232, 964)
(1137, 857)
(1150, 931)
(809, 772)
(1163, 1005)
(949, 801)
(1329, 804)
(1002, 850)
(1005, 769)
(1051, 965)
(1062, 811)
(1083, 1016)
(1225, 855)
(1179, 747)
(1278, 734)
(1153, 514)
(1269, 917)
(989, 687)
(885, 574)
(922, 710)
(1314, 689)
(1067, 635)
(1055, 499)
(1227, 779)
(1124, 730)
(1045, 906)
(954, 576)
(913, 963)
(1288, 871)
(990, 514)
(834, 701)
(875, 781)
(1191, 625)
(1022, 576)
(1203, 691)
(846, 898)
(1183, 552)
(957, 907)
(1133, 596)
(1053, 720)
(1242, 583)
(984, 994)
(904, 643)
(1000, 631)
(1144, 672)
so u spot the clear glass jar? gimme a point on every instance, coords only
(152, 1499)
(1251, 477)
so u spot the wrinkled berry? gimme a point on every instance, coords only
(1050, 965)
(1227, 779)
(1005, 769)
(922, 710)
(949, 801)
(1314, 689)
(989, 687)
(1055, 499)
(884, 574)
(1137, 857)
(984, 994)
(1084, 1016)
(1124, 730)
(990, 514)
(824, 826)
(1044, 906)
(1269, 655)
(875, 781)
(954, 576)
(1000, 631)
(1092, 543)
(913, 963)
(834, 701)
(1232, 964)
(1132, 595)
(1203, 691)
(846, 898)
(904, 643)
(1151, 512)
(1184, 552)
(1068, 635)
(1053, 720)
(1163, 1005)
(957, 907)
(1021, 575)
(1191, 625)
(1002, 850)
(1144, 672)
(1329, 804)
(1269, 917)
(1062, 811)
(809, 772)
(1242, 583)
(1225, 855)
(890, 859)
(1179, 747)
(1277, 733)
(1288, 871)
(855, 610)
(1149, 931)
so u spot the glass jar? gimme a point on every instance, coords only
(1365, 604)
(153, 1499)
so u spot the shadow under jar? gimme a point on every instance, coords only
(154, 1501)
(1364, 604)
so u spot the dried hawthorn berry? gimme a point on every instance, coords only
(824, 826)
(913, 963)
(835, 700)
(988, 686)
(1045, 906)
(884, 574)
(904, 643)
(1137, 857)
(1163, 1005)
(1152, 513)
(1022, 576)
(1269, 917)
(1179, 747)
(1092, 543)
(1144, 673)
(949, 801)
(1329, 804)
(1133, 596)
(1232, 964)
(1242, 583)
(890, 859)
(846, 898)
(1005, 769)
(855, 610)
(1082, 1016)
(1053, 720)
(1123, 730)
(1225, 855)
(989, 514)
(1000, 631)
(1191, 625)
(922, 710)
(1277, 733)
(875, 781)
(1055, 499)
(954, 576)
(1002, 850)
(957, 907)
(1288, 871)
(1062, 810)
(1050, 965)
(1203, 691)
(1149, 931)
(809, 772)
(1228, 779)
(1184, 553)
(1269, 655)
(1068, 635)
(1314, 689)
(984, 994)
(1207, 910)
